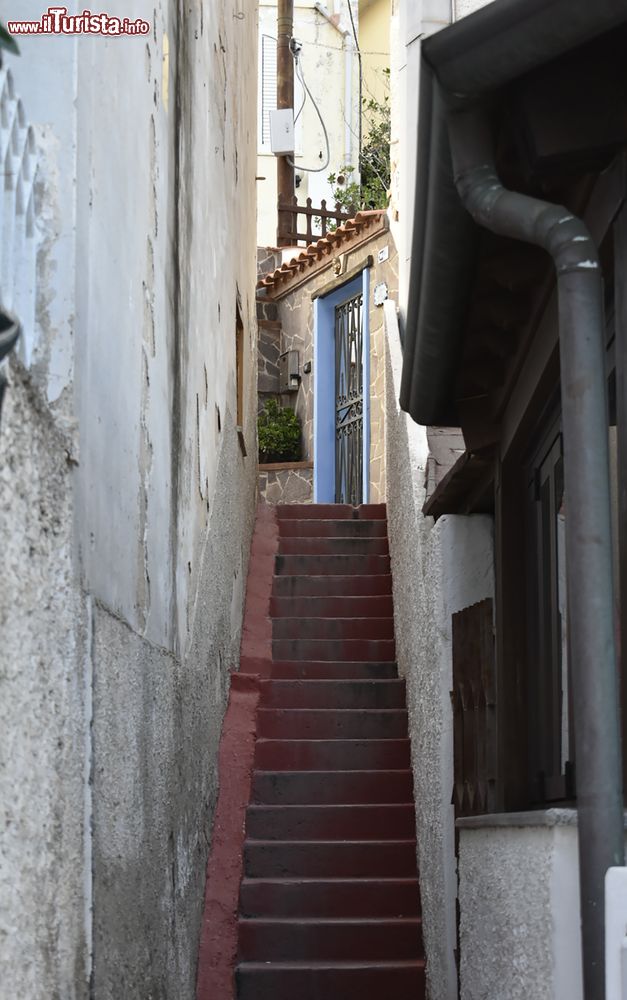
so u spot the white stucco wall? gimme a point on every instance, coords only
(520, 907)
(462, 8)
(438, 569)
(126, 500)
(330, 67)
(412, 22)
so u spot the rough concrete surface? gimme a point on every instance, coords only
(506, 926)
(42, 921)
(462, 8)
(124, 559)
(437, 570)
(157, 722)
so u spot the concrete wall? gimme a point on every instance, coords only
(520, 907)
(127, 502)
(464, 7)
(330, 66)
(438, 569)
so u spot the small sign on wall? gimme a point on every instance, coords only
(380, 293)
(383, 254)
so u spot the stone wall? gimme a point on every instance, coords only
(286, 483)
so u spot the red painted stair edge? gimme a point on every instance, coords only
(225, 867)
(256, 647)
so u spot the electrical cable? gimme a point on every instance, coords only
(295, 48)
(361, 77)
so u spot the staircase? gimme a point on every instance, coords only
(329, 901)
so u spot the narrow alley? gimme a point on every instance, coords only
(313, 500)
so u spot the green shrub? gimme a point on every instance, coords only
(374, 163)
(279, 433)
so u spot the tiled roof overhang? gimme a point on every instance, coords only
(314, 258)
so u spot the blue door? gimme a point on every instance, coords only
(342, 394)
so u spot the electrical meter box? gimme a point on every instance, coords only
(289, 372)
(282, 131)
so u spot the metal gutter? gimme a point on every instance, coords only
(469, 59)
(443, 242)
(588, 528)
(508, 38)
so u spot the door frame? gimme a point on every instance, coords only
(324, 387)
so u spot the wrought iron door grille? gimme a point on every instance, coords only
(349, 396)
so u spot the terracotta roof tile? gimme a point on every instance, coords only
(308, 257)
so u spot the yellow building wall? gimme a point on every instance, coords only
(374, 42)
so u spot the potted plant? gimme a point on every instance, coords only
(279, 434)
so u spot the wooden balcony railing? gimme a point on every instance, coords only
(288, 230)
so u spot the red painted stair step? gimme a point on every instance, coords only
(333, 649)
(331, 981)
(343, 787)
(333, 628)
(333, 694)
(331, 755)
(334, 546)
(332, 607)
(331, 822)
(331, 723)
(330, 898)
(333, 669)
(330, 859)
(334, 565)
(276, 940)
(329, 902)
(332, 511)
(310, 527)
(369, 585)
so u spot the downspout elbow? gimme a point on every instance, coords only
(590, 599)
(563, 235)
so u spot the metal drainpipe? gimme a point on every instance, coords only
(588, 533)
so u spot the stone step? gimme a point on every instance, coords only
(333, 628)
(372, 585)
(334, 546)
(342, 787)
(332, 694)
(332, 565)
(331, 724)
(343, 528)
(310, 939)
(334, 649)
(330, 859)
(331, 981)
(331, 511)
(385, 897)
(378, 606)
(331, 755)
(333, 669)
(331, 822)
